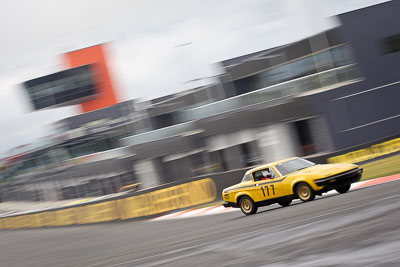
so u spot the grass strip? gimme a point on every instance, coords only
(381, 168)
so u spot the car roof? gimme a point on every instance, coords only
(260, 167)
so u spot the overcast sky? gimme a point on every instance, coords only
(143, 37)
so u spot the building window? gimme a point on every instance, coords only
(392, 44)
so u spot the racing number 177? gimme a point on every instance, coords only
(266, 187)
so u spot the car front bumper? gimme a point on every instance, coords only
(227, 204)
(341, 179)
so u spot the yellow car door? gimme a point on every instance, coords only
(268, 183)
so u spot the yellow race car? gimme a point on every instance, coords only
(282, 181)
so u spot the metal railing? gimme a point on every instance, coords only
(318, 80)
(54, 163)
(158, 134)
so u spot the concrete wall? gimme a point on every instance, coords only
(276, 142)
(368, 110)
(147, 172)
(320, 134)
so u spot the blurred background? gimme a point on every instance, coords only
(99, 97)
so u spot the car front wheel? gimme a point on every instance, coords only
(304, 192)
(343, 189)
(248, 206)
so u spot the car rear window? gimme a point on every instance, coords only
(246, 178)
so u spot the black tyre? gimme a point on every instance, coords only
(343, 189)
(285, 202)
(247, 205)
(304, 192)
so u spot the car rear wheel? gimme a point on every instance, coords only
(285, 202)
(247, 205)
(343, 189)
(304, 192)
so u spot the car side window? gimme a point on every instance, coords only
(264, 174)
(273, 174)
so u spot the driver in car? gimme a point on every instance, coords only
(266, 174)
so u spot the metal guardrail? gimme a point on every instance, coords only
(182, 194)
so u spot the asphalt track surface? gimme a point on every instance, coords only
(359, 228)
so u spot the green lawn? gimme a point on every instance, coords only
(382, 167)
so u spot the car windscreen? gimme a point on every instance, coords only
(293, 165)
